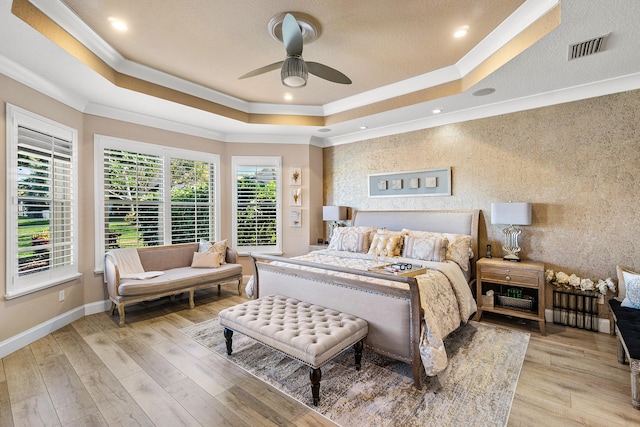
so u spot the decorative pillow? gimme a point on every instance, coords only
(387, 243)
(624, 274)
(433, 248)
(351, 239)
(205, 260)
(632, 298)
(458, 249)
(219, 247)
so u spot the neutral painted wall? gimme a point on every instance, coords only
(578, 163)
(19, 314)
(22, 313)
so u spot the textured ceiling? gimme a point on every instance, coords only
(213, 42)
(182, 74)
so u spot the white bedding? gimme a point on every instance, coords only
(444, 293)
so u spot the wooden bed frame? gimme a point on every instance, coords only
(394, 314)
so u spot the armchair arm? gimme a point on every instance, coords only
(231, 256)
(111, 275)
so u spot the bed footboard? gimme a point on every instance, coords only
(393, 313)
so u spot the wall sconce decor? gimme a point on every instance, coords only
(518, 213)
(333, 214)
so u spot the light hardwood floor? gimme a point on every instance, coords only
(148, 373)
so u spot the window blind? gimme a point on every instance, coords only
(133, 199)
(153, 195)
(256, 204)
(192, 196)
(45, 202)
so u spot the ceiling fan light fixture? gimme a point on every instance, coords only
(294, 72)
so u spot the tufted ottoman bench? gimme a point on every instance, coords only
(309, 333)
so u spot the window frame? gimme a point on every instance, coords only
(15, 285)
(166, 153)
(252, 161)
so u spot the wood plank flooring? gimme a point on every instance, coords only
(93, 373)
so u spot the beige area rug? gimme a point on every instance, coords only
(476, 389)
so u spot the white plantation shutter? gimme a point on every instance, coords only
(192, 195)
(153, 195)
(256, 204)
(133, 199)
(41, 235)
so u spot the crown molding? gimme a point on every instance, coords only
(561, 96)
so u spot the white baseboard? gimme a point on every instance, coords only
(603, 324)
(29, 336)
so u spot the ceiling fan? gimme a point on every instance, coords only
(294, 70)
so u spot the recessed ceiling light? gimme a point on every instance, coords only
(363, 127)
(288, 96)
(461, 32)
(118, 24)
(437, 111)
(324, 130)
(484, 92)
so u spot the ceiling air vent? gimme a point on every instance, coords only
(588, 47)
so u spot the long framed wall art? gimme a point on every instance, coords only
(428, 182)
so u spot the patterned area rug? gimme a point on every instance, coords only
(476, 388)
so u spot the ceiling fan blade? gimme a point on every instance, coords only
(262, 70)
(327, 73)
(291, 35)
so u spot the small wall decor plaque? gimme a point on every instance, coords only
(296, 197)
(428, 182)
(295, 218)
(296, 176)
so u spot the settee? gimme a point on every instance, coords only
(174, 275)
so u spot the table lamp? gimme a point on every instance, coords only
(333, 214)
(512, 213)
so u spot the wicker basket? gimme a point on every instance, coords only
(518, 303)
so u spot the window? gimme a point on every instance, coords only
(152, 195)
(41, 204)
(257, 215)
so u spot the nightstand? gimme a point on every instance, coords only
(518, 289)
(317, 247)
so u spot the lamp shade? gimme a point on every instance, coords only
(512, 213)
(334, 213)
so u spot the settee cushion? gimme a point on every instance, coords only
(205, 260)
(177, 278)
(628, 323)
(219, 248)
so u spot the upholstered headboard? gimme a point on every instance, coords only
(442, 221)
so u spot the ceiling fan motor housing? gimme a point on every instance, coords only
(294, 72)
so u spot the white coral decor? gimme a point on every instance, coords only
(563, 280)
(574, 281)
(586, 285)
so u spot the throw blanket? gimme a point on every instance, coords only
(129, 265)
(445, 297)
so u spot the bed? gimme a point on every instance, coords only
(409, 316)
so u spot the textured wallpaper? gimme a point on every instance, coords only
(577, 163)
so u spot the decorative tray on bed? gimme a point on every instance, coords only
(399, 269)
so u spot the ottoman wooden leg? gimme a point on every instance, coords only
(358, 348)
(315, 376)
(228, 334)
